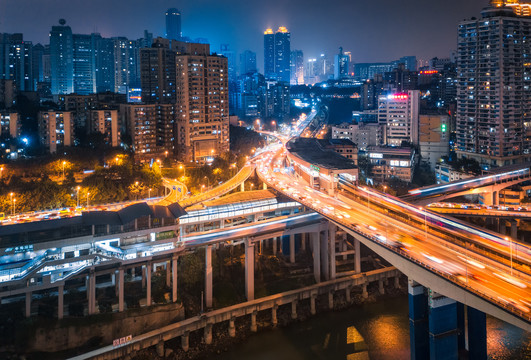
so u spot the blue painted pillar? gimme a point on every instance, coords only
(461, 325)
(477, 334)
(418, 321)
(442, 327)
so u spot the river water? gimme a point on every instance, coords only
(385, 327)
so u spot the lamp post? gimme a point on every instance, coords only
(64, 163)
(1, 171)
(208, 182)
(78, 188)
(183, 168)
(149, 193)
(88, 199)
(14, 201)
(202, 188)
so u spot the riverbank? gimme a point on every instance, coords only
(222, 342)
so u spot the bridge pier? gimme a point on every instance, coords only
(357, 256)
(91, 293)
(332, 244)
(274, 320)
(208, 334)
(148, 284)
(418, 321)
(232, 327)
(28, 304)
(294, 309)
(442, 327)
(174, 278)
(314, 238)
(477, 334)
(254, 327)
(208, 277)
(249, 269)
(121, 286)
(60, 301)
(275, 242)
(292, 248)
(185, 341)
(514, 229)
(325, 263)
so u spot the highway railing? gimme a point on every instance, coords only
(222, 189)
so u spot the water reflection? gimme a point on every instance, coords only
(385, 328)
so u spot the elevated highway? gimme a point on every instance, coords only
(479, 273)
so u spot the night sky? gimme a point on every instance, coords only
(373, 30)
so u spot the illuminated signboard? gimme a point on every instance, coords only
(443, 128)
(428, 72)
(315, 168)
(397, 97)
(376, 156)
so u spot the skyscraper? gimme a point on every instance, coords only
(282, 54)
(202, 107)
(231, 60)
(494, 77)
(84, 65)
(104, 63)
(62, 58)
(341, 65)
(269, 54)
(158, 78)
(247, 62)
(297, 67)
(16, 58)
(173, 24)
(398, 115)
(126, 64)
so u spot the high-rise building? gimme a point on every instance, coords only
(9, 124)
(297, 67)
(398, 115)
(494, 77)
(247, 62)
(126, 65)
(231, 60)
(55, 129)
(151, 129)
(400, 79)
(105, 122)
(37, 64)
(16, 59)
(158, 77)
(84, 64)
(62, 58)
(434, 137)
(202, 105)
(269, 54)
(282, 54)
(341, 65)
(104, 63)
(173, 24)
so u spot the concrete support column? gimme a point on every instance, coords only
(168, 273)
(274, 319)
(347, 294)
(160, 348)
(503, 227)
(495, 198)
(121, 286)
(232, 327)
(332, 246)
(313, 310)
(208, 334)
(331, 300)
(249, 270)
(381, 288)
(208, 277)
(143, 270)
(294, 309)
(364, 292)
(275, 240)
(442, 327)
(91, 291)
(28, 304)
(418, 321)
(514, 229)
(148, 284)
(477, 334)
(174, 279)
(397, 282)
(242, 186)
(254, 327)
(60, 302)
(303, 241)
(344, 244)
(264, 186)
(461, 326)
(325, 263)
(292, 248)
(314, 236)
(185, 341)
(357, 256)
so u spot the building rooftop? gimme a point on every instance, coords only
(239, 197)
(311, 151)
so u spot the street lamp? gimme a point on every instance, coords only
(14, 201)
(1, 171)
(202, 188)
(511, 251)
(183, 168)
(149, 193)
(78, 188)
(88, 199)
(208, 182)
(166, 153)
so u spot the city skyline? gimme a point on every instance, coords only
(426, 37)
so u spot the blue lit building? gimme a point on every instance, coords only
(84, 65)
(62, 58)
(173, 24)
